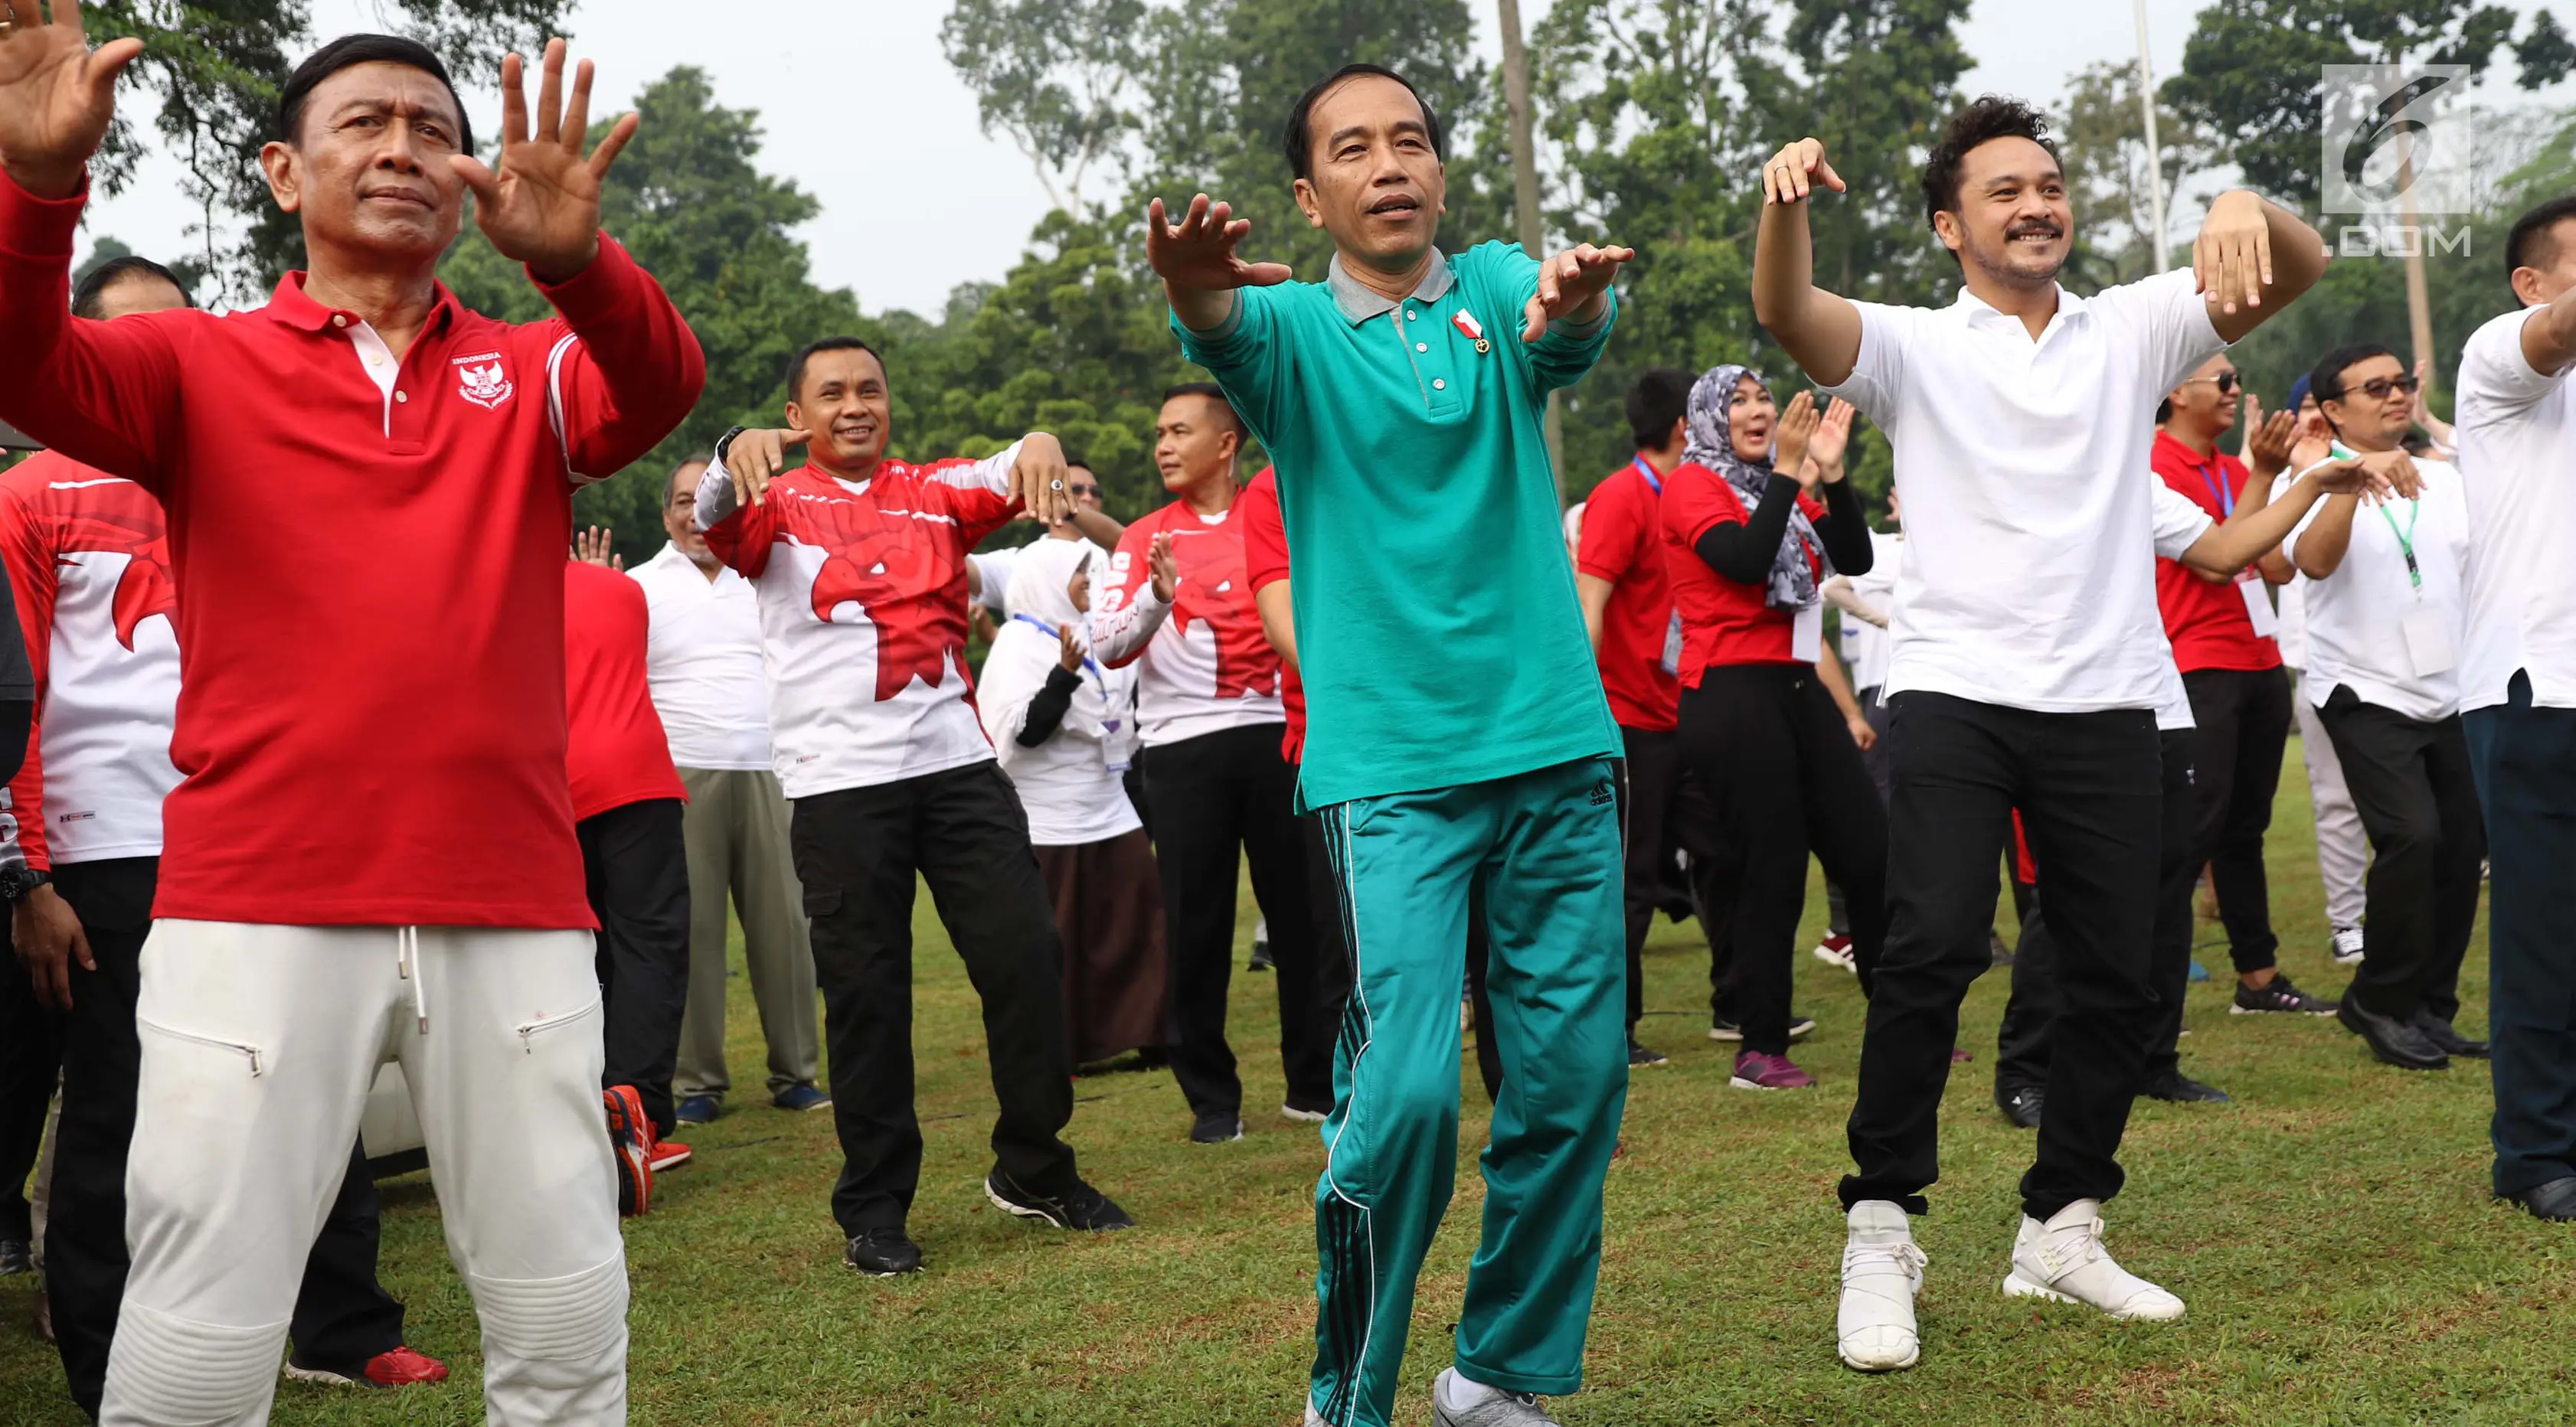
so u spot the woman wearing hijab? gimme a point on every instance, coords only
(1747, 544)
(1063, 727)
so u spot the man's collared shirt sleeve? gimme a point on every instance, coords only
(1245, 355)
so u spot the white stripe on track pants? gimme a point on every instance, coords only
(259, 1045)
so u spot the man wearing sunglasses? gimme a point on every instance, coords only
(2222, 633)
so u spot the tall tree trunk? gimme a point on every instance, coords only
(1525, 200)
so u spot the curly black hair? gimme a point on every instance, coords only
(1991, 117)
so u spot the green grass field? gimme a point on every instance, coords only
(2331, 1231)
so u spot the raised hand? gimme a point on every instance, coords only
(2231, 261)
(1569, 282)
(1832, 437)
(1040, 478)
(755, 458)
(1070, 655)
(590, 547)
(1198, 251)
(57, 95)
(1798, 423)
(1164, 567)
(542, 207)
(1793, 172)
(2432, 425)
(2271, 440)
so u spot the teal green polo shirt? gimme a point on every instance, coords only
(1437, 628)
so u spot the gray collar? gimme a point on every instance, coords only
(1359, 304)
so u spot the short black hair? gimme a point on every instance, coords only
(811, 350)
(2164, 410)
(1212, 392)
(2325, 381)
(349, 51)
(90, 298)
(1658, 398)
(2533, 240)
(1299, 145)
(1991, 117)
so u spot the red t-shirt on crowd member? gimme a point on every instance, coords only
(1265, 562)
(2211, 626)
(1723, 622)
(368, 554)
(1206, 666)
(615, 751)
(1623, 542)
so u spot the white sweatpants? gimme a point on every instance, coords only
(259, 1044)
(2343, 849)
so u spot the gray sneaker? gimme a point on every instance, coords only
(1509, 1409)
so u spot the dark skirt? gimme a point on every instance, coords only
(1109, 913)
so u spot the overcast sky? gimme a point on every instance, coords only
(862, 109)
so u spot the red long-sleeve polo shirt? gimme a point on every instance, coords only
(369, 560)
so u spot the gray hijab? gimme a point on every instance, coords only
(1711, 443)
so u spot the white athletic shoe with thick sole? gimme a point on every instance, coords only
(1882, 1271)
(2349, 946)
(2063, 1260)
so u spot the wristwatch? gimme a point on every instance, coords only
(16, 882)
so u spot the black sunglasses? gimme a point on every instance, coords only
(2224, 381)
(2378, 388)
(1079, 489)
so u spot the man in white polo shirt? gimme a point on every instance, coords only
(2028, 662)
(2384, 632)
(2517, 428)
(704, 663)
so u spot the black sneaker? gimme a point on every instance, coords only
(2175, 1088)
(1217, 1127)
(1800, 1023)
(2445, 1039)
(2394, 1041)
(1080, 1207)
(2023, 1106)
(2279, 996)
(882, 1253)
(1640, 1058)
(16, 1258)
(1997, 953)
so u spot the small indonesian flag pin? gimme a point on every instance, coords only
(1466, 322)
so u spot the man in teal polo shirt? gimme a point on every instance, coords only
(1457, 734)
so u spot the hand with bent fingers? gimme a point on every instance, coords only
(1791, 174)
(1164, 568)
(541, 207)
(2268, 440)
(49, 937)
(2231, 261)
(1069, 657)
(1198, 251)
(757, 457)
(1568, 283)
(57, 95)
(1042, 481)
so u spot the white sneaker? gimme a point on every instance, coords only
(2063, 1260)
(1314, 1418)
(1882, 1271)
(2347, 945)
(1836, 952)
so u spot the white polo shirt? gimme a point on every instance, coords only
(2371, 629)
(2028, 578)
(2179, 524)
(2517, 458)
(702, 659)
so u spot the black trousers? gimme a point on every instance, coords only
(637, 870)
(1219, 799)
(31, 1058)
(1779, 762)
(2244, 724)
(2089, 787)
(2417, 795)
(343, 1317)
(2525, 757)
(859, 852)
(2030, 1016)
(1650, 772)
(1333, 957)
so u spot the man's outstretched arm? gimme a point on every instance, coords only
(1819, 330)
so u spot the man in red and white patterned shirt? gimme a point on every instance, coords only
(1209, 711)
(860, 565)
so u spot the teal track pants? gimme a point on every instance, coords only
(1545, 847)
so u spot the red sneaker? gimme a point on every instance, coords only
(402, 1367)
(668, 1155)
(1755, 1071)
(630, 1138)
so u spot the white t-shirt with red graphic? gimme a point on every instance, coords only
(1206, 666)
(862, 590)
(89, 565)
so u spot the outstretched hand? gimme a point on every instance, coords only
(1040, 480)
(590, 547)
(1198, 251)
(57, 95)
(2269, 440)
(1832, 437)
(1569, 282)
(541, 207)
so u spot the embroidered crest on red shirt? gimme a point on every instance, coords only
(482, 380)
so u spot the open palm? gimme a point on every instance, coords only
(541, 206)
(1198, 251)
(57, 96)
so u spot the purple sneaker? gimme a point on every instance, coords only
(1755, 1071)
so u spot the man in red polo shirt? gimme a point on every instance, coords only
(1628, 607)
(368, 490)
(2222, 635)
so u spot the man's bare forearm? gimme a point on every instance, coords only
(1820, 331)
